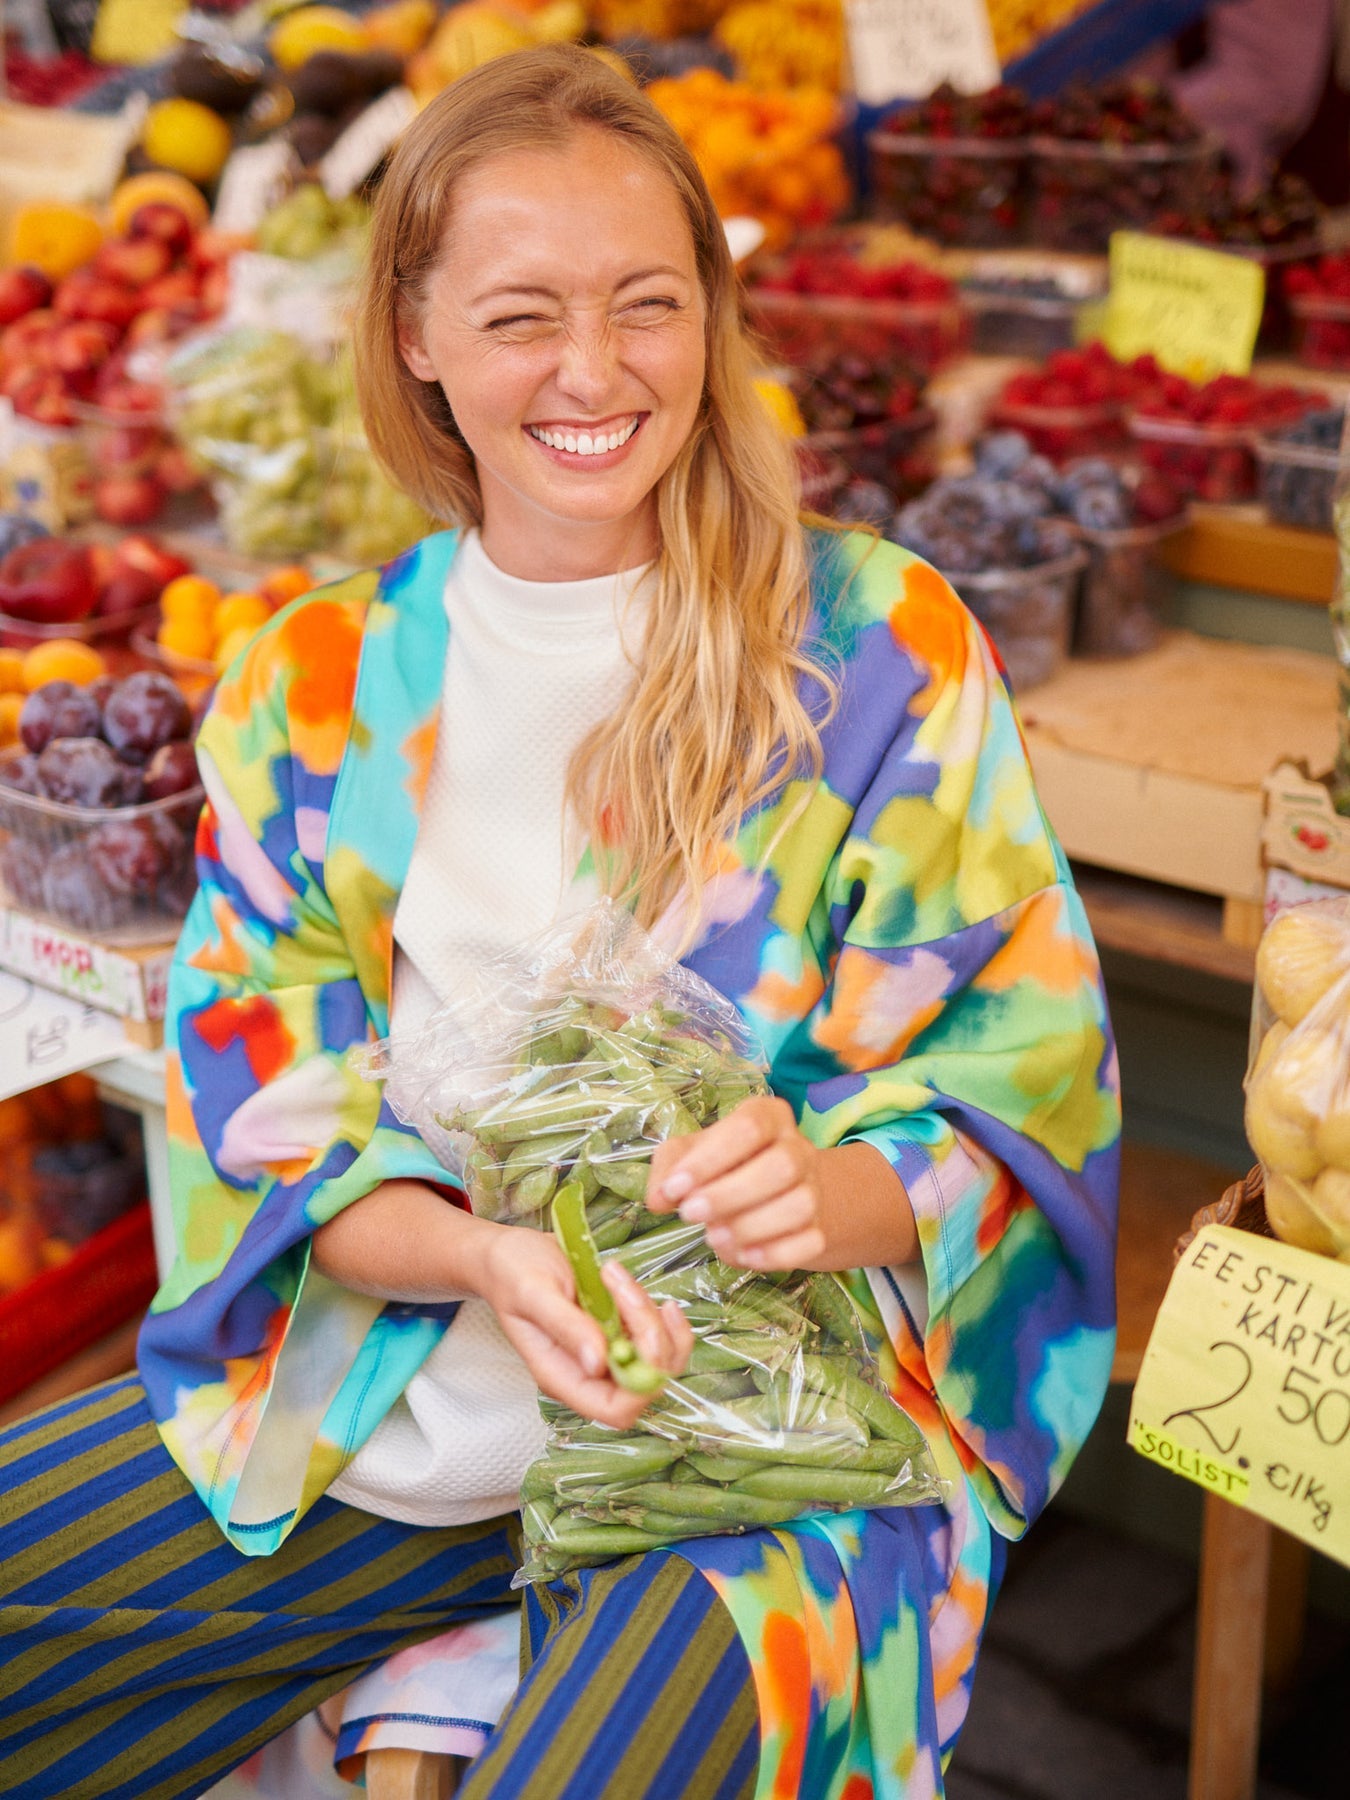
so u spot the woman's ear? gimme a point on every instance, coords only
(413, 352)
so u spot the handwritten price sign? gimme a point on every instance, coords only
(1245, 1386)
(1198, 311)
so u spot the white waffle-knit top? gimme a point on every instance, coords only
(531, 667)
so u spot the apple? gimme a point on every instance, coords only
(85, 295)
(171, 290)
(118, 393)
(140, 551)
(34, 328)
(128, 591)
(42, 397)
(215, 290)
(128, 499)
(134, 262)
(48, 582)
(23, 289)
(159, 221)
(81, 347)
(177, 469)
(126, 449)
(155, 325)
(103, 562)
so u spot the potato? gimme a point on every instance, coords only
(1331, 1197)
(1292, 1219)
(1286, 1102)
(1302, 954)
(1332, 1134)
(1270, 1043)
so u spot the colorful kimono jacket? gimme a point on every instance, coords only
(917, 966)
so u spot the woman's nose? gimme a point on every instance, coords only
(588, 364)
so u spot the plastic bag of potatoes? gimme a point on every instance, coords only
(1298, 1081)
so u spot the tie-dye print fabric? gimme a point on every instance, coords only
(914, 959)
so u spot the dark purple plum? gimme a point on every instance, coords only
(132, 855)
(171, 770)
(21, 870)
(144, 711)
(81, 771)
(73, 892)
(58, 709)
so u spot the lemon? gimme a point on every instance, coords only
(186, 137)
(295, 38)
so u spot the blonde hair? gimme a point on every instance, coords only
(716, 719)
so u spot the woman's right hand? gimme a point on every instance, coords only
(526, 1279)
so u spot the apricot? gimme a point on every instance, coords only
(62, 659)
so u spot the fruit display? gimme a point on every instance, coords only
(954, 167)
(800, 44)
(767, 154)
(1013, 563)
(1298, 1108)
(203, 627)
(308, 224)
(66, 349)
(1299, 465)
(1201, 438)
(1077, 403)
(1109, 158)
(98, 805)
(832, 293)
(68, 1166)
(279, 428)
(1318, 294)
(1019, 305)
(57, 588)
(1016, 24)
(480, 30)
(329, 90)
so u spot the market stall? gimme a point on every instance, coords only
(1014, 312)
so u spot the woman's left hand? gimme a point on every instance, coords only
(753, 1181)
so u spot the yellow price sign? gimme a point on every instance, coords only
(1198, 311)
(1245, 1385)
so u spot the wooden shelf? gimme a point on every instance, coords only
(1165, 924)
(1239, 548)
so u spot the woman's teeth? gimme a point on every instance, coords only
(584, 443)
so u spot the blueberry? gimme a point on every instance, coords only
(1000, 454)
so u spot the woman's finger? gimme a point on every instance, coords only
(774, 1172)
(703, 1155)
(783, 1216)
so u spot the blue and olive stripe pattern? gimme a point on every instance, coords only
(142, 1656)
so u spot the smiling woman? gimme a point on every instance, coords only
(628, 668)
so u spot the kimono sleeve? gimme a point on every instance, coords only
(963, 1032)
(264, 1376)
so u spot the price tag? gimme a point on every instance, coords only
(45, 1035)
(1198, 311)
(136, 31)
(255, 178)
(903, 49)
(366, 142)
(1245, 1386)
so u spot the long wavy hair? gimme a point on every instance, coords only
(725, 703)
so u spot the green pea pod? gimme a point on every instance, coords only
(881, 1414)
(826, 1304)
(734, 1505)
(626, 1176)
(629, 1370)
(534, 1191)
(815, 1486)
(585, 1537)
(720, 1468)
(633, 1460)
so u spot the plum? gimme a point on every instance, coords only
(132, 855)
(21, 869)
(72, 890)
(58, 709)
(19, 773)
(81, 771)
(171, 770)
(143, 712)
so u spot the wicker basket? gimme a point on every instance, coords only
(1243, 1206)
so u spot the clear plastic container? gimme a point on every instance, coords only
(896, 454)
(1123, 587)
(110, 635)
(1321, 327)
(1296, 482)
(1216, 463)
(1028, 613)
(808, 331)
(957, 190)
(1081, 192)
(122, 874)
(1063, 432)
(139, 473)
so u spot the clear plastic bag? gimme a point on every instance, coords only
(548, 1087)
(1298, 1080)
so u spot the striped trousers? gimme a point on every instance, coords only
(142, 1656)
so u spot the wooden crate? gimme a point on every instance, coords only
(1155, 765)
